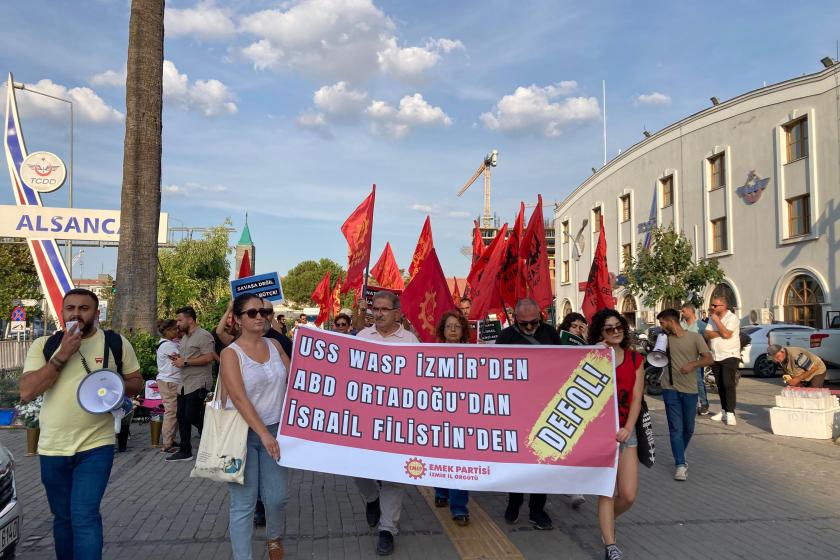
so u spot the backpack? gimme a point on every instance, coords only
(113, 342)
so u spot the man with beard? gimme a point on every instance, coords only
(528, 328)
(76, 448)
(195, 359)
(687, 351)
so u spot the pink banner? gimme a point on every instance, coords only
(492, 417)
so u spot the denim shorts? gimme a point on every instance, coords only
(631, 441)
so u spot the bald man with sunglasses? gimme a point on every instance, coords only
(528, 328)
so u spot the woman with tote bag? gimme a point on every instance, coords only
(254, 371)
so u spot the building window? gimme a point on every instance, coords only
(799, 216)
(564, 277)
(626, 255)
(717, 172)
(719, 235)
(803, 302)
(628, 310)
(596, 219)
(667, 191)
(796, 138)
(625, 208)
(567, 308)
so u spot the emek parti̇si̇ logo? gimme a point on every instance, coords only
(752, 189)
(415, 468)
(43, 172)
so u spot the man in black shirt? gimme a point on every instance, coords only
(271, 332)
(528, 328)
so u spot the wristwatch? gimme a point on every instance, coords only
(186, 363)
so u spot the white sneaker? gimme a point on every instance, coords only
(718, 417)
(730, 419)
(681, 473)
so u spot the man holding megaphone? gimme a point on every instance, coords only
(76, 445)
(684, 353)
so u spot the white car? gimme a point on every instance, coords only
(754, 355)
(10, 510)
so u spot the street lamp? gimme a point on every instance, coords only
(68, 245)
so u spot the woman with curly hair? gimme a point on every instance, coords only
(609, 328)
(453, 328)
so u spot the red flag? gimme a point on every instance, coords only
(336, 297)
(357, 230)
(534, 254)
(456, 292)
(245, 266)
(386, 271)
(322, 297)
(427, 298)
(511, 283)
(478, 243)
(598, 293)
(486, 297)
(424, 245)
(478, 266)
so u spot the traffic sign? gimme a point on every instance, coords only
(19, 314)
(18, 327)
(29, 302)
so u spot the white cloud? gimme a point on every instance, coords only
(531, 110)
(314, 122)
(88, 107)
(458, 214)
(339, 101)
(109, 78)
(210, 97)
(336, 39)
(413, 111)
(425, 208)
(192, 189)
(204, 21)
(653, 99)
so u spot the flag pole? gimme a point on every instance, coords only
(367, 266)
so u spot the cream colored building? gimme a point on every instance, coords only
(753, 181)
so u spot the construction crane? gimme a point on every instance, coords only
(489, 161)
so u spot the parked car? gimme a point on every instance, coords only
(10, 509)
(754, 354)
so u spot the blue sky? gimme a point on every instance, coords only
(290, 110)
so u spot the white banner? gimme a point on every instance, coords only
(41, 222)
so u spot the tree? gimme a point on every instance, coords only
(135, 306)
(300, 281)
(20, 279)
(667, 271)
(195, 272)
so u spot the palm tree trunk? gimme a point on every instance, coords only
(136, 298)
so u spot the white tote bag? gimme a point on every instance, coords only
(223, 448)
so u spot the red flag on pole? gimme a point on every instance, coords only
(511, 284)
(486, 297)
(478, 266)
(322, 296)
(386, 271)
(336, 297)
(427, 298)
(245, 266)
(534, 254)
(598, 292)
(456, 291)
(424, 245)
(478, 243)
(357, 229)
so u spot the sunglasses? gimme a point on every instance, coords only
(533, 323)
(252, 313)
(615, 329)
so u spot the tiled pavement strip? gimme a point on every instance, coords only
(749, 494)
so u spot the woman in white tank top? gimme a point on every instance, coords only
(254, 372)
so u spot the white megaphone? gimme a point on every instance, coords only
(658, 357)
(103, 391)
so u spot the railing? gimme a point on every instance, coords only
(13, 353)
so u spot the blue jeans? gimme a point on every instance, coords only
(702, 397)
(457, 500)
(681, 410)
(263, 478)
(75, 485)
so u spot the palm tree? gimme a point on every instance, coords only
(136, 298)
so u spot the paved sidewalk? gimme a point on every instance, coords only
(750, 494)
